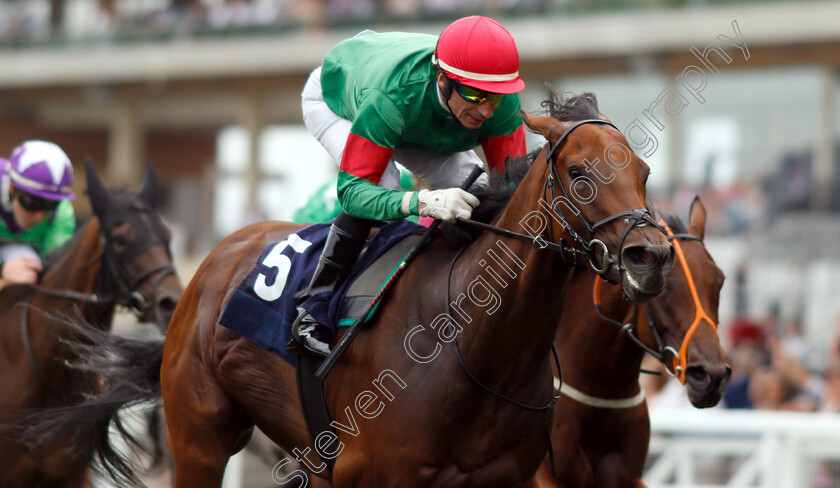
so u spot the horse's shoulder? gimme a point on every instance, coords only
(235, 255)
(255, 236)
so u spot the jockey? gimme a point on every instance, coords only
(37, 216)
(424, 101)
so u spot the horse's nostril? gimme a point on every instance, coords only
(697, 376)
(640, 257)
(668, 258)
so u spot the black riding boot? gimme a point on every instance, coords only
(346, 240)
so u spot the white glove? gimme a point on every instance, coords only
(448, 204)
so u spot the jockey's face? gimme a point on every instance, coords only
(471, 115)
(24, 218)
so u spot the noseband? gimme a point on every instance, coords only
(679, 358)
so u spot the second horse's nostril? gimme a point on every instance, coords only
(698, 376)
(167, 304)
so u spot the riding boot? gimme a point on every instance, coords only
(346, 239)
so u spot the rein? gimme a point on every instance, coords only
(547, 408)
(568, 254)
(679, 358)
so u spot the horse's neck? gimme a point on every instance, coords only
(78, 269)
(592, 348)
(526, 287)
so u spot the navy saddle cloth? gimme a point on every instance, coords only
(263, 306)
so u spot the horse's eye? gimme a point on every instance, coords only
(574, 172)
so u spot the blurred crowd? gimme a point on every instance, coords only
(32, 20)
(751, 203)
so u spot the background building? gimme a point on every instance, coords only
(735, 101)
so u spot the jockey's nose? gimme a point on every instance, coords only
(486, 109)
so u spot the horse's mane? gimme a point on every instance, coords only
(674, 221)
(496, 195)
(56, 254)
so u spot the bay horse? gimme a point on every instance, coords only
(445, 386)
(602, 428)
(120, 257)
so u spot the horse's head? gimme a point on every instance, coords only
(136, 254)
(685, 315)
(595, 192)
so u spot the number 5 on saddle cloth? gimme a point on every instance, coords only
(263, 306)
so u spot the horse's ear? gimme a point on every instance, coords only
(99, 195)
(549, 127)
(697, 218)
(147, 191)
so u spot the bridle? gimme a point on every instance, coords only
(679, 358)
(113, 275)
(635, 218)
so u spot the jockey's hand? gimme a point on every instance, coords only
(448, 204)
(21, 270)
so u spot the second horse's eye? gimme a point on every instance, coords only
(575, 172)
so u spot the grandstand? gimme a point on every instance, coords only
(209, 90)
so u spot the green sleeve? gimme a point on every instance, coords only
(363, 199)
(61, 228)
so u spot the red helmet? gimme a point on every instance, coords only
(479, 52)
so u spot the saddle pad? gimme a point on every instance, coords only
(371, 280)
(263, 306)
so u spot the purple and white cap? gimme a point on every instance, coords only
(42, 169)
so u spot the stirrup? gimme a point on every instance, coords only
(309, 335)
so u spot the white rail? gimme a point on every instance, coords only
(743, 448)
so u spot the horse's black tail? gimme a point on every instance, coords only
(130, 373)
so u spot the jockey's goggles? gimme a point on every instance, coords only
(34, 204)
(476, 96)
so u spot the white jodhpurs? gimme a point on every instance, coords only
(436, 170)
